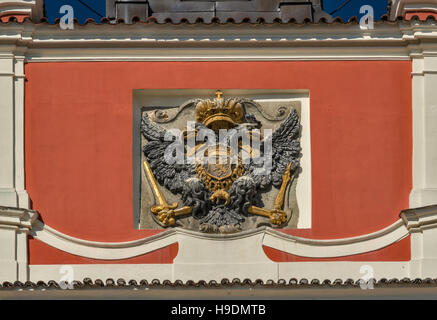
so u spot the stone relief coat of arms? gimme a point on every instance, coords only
(221, 171)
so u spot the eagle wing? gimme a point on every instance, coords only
(285, 150)
(171, 176)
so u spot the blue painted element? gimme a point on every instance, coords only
(81, 12)
(352, 9)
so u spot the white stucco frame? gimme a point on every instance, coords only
(12, 189)
(214, 257)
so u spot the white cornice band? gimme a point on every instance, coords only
(139, 42)
(16, 7)
(18, 218)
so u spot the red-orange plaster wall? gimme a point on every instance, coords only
(78, 140)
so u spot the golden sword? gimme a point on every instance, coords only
(166, 212)
(277, 215)
(279, 201)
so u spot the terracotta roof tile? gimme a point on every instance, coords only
(292, 283)
(416, 17)
(200, 21)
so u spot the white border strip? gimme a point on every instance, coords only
(272, 238)
(336, 247)
(284, 270)
(101, 250)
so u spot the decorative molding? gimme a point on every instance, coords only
(422, 225)
(216, 42)
(102, 250)
(208, 42)
(21, 7)
(423, 52)
(12, 192)
(269, 237)
(217, 256)
(420, 219)
(218, 53)
(16, 217)
(336, 247)
(15, 225)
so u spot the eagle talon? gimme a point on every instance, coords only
(278, 217)
(167, 217)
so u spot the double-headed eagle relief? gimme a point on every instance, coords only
(223, 171)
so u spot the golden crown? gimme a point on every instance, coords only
(219, 113)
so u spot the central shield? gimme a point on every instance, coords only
(219, 167)
(218, 171)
